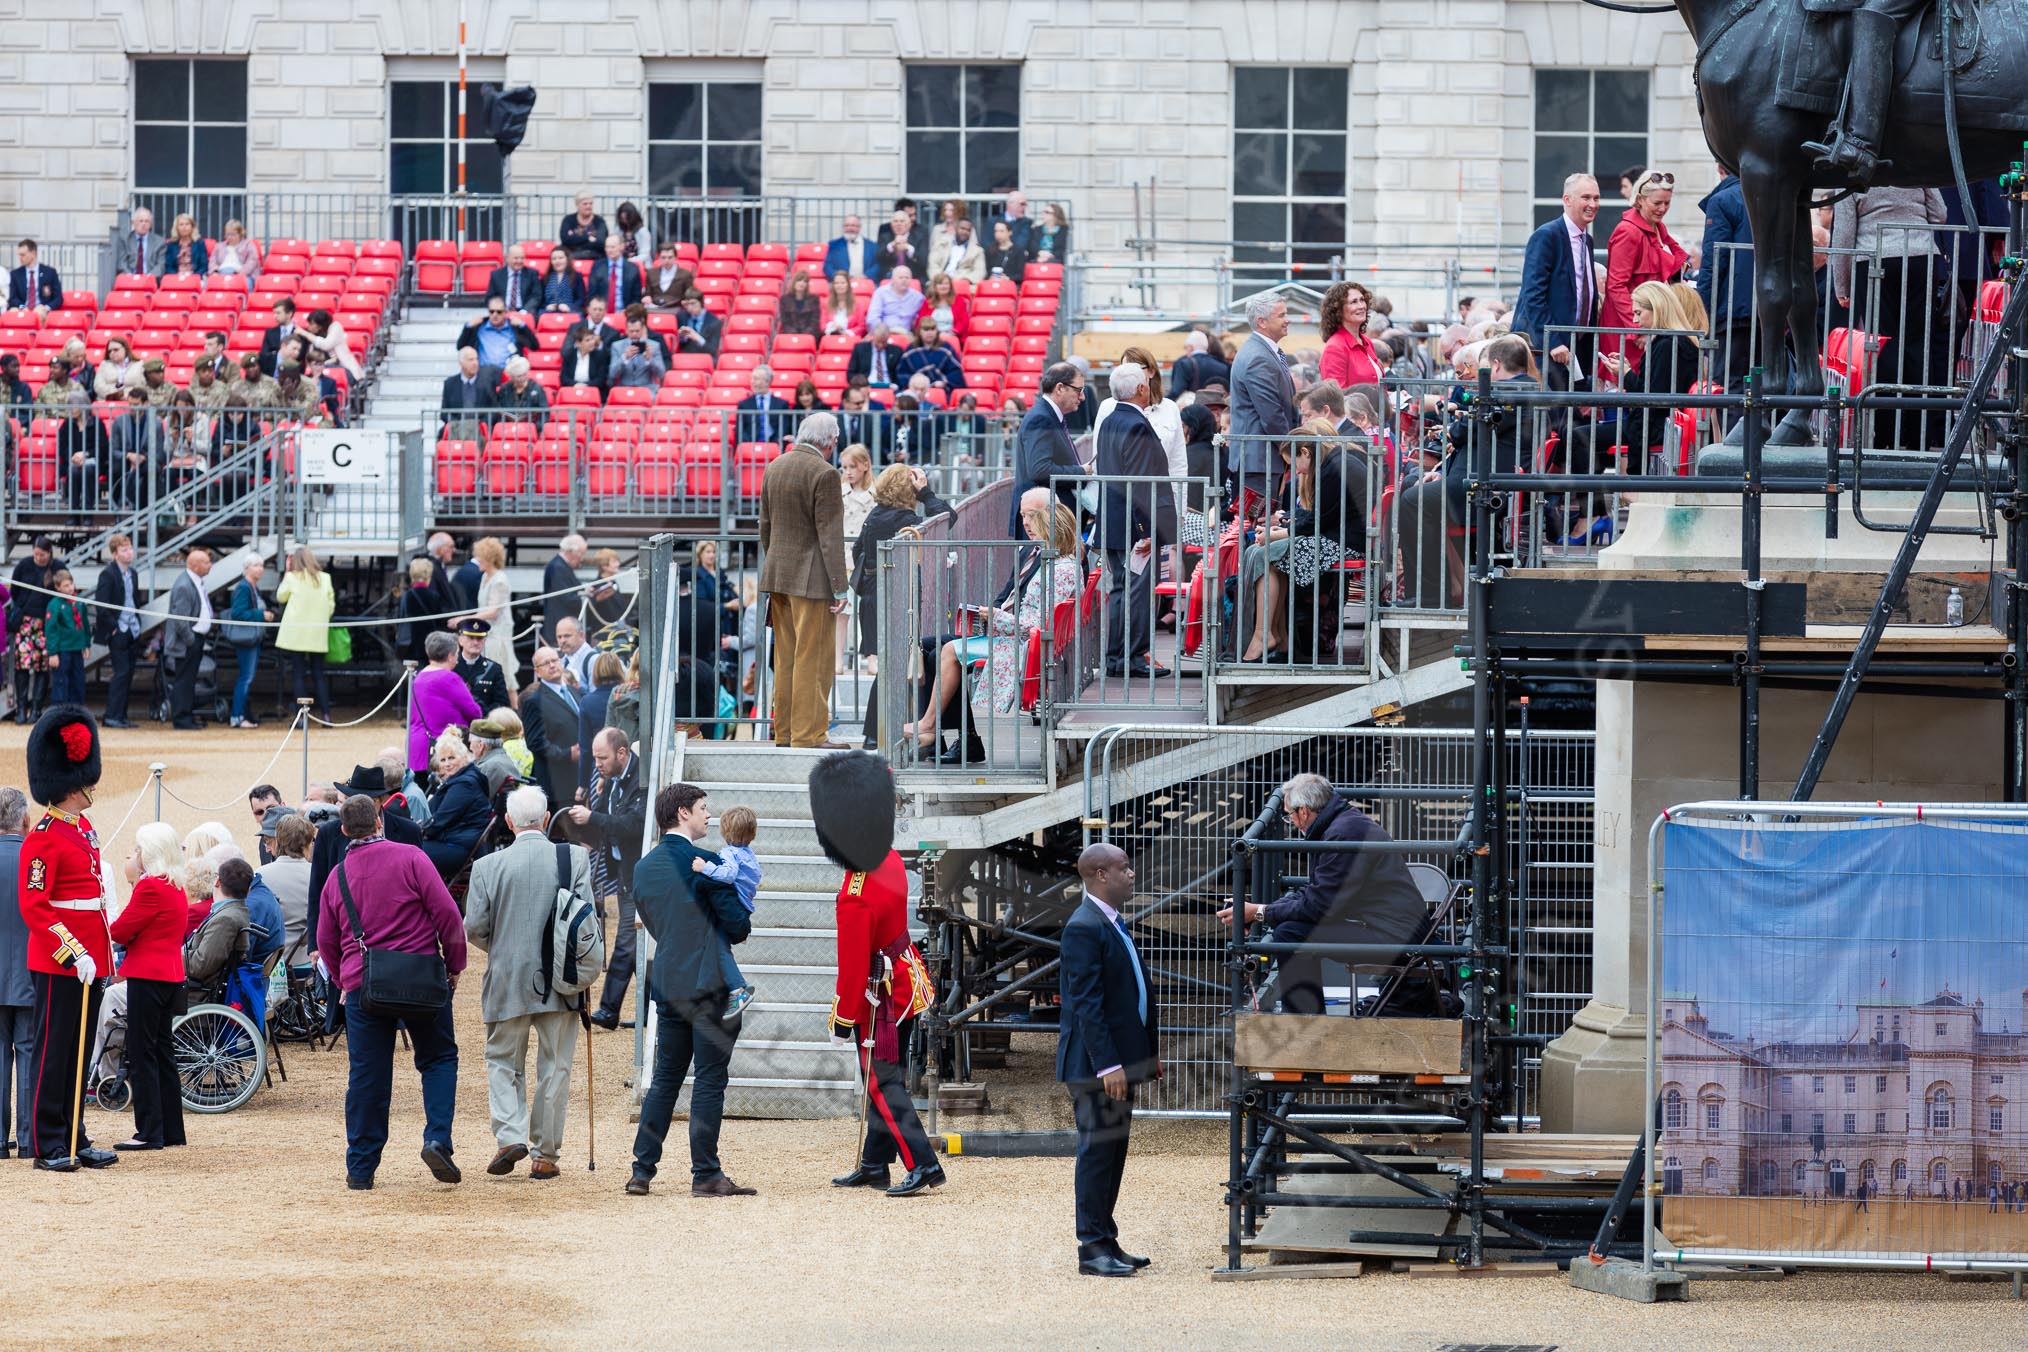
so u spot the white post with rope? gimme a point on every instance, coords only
(155, 773)
(303, 717)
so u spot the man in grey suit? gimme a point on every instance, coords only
(139, 454)
(17, 995)
(508, 912)
(1263, 398)
(141, 248)
(185, 634)
(1043, 447)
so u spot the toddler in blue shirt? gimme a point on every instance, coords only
(738, 866)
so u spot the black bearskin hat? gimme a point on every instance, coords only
(852, 807)
(63, 754)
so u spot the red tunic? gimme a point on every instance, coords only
(60, 863)
(872, 918)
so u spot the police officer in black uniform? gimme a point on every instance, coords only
(482, 675)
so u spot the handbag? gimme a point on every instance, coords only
(338, 647)
(241, 634)
(394, 984)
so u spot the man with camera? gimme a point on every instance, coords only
(637, 357)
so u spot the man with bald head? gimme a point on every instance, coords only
(1109, 1040)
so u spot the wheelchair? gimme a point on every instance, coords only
(221, 1053)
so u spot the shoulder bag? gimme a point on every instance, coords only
(394, 984)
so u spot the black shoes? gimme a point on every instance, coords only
(135, 1144)
(604, 1018)
(187, 725)
(1129, 1259)
(1101, 1260)
(115, 723)
(62, 1164)
(865, 1176)
(91, 1157)
(1136, 669)
(919, 1179)
(359, 1182)
(442, 1167)
(637, 1186)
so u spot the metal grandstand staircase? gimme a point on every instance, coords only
(421, 352)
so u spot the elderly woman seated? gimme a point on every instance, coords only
(459, 810)
(1004, 643)
(1327, 526)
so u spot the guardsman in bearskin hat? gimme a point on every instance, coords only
(882, 984)
(63, 901)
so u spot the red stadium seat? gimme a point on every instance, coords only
(376, 266)
(135, 281)
(658, 469)
(795, 342)
(1042, 324)
(381, 248)
(124, 298)
(992, 326)
(180, 281)
(552, 468)
(686, 378)
(811, 256)
(767, 253)
(578, 396)
(279, 264)
(703, 469)
(478, 260)
(752, 341)
(507, 469)
(1034, 286)
(626, 396)
(834, 361)
(457, 466)
(728, 268)
(81, 300)
(536, 253)
(783, 360)
(748, 322)
(721, 251)
(996, 286)
(436, 266)
(606, 469)
(679, 397)
(1030, 344)
(1043, 271)
(752, 459)
(1038, 305)
(994, 305)
(735, 359)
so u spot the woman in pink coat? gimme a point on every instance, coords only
(1641, 250)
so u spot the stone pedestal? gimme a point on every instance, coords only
(1663, 744)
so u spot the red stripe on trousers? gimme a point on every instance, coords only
(887, 1114)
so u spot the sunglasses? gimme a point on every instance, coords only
(1655, 180)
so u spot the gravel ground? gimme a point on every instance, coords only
(249, 1236)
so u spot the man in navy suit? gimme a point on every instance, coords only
(851, 252)
(1263, 396)
(1559, 287)
(1135, 521)
(1109, 1040)
(33, 286)
(516, 283)
(627, 290)
(761, 416)
(1042, 446)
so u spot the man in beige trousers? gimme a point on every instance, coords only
(802, 539)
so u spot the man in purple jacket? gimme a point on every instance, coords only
(400, 904)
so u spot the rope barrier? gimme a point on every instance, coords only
(401, 681)
(132, 808)
(577, 589)
(260, 778)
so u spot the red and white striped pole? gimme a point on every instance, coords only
(461, 124)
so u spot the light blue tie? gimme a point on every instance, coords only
(1140, 982)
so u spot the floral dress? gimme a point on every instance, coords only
(998, 688)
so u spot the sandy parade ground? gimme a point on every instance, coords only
(248, 1238)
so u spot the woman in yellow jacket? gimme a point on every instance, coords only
(307, 599)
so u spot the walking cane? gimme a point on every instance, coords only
(591, 1095)
(84, 1009)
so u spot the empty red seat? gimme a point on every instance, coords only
(752, 459)
(797, 362)
(381, 248)
(748, 322)
(686, 378)
(436, 266)
(703, 469)
(1038, 305)
(995, 305)
(606, 469)
(577, 396)
(457, 466)
(622, 396)
(735, 344)
(377, 266)
(180, 281)
(658, 469)
(552, 468)
(1041, 286)
(135, 281)
(478, 260)
(80, 300)
(711, 252)
(996, 286)
(507, 469)
(1038, 323)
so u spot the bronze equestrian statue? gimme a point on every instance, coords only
(1769, 73)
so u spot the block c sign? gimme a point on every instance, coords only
(344, 455)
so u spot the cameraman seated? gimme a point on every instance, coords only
(1352, 896)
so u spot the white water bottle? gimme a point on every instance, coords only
(1954, 608)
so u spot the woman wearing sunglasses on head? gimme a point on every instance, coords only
(1641, 250)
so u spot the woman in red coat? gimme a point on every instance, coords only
(150, 930)
(1348, 357)
(1641, 250)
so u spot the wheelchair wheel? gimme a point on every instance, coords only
(220, 1058)
(115, 1095)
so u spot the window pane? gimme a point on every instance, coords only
(416, 109)
(733, 170)
(219, 160)
(1622, 101)
(1614, 154)
(675, 112)
(1260, 96)
(1556, 158)
(1318, 223)
(1259, 164)
(1319, 166)
(161, 91)
(1562, 100)
(220, 88)
(414, 167)
(1262, 222)
(992, 161)
(161, 157)
(1320, 99)
(932, 97)
(992, 96)
(675, 171)
(932, 162)
(485, 171)
(734, 112)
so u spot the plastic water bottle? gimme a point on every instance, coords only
(1954, 608)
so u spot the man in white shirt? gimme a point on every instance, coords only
(850, 253)
(577, 655)
(960, 254)
(185, 635)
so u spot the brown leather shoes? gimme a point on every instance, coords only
(544, 1169)
(637, 1186)
(505, 1158)
(720, 1187)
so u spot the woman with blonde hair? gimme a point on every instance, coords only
(1671, 364)
(514, 736)
(307, 599)
(1004, 642)
(855, 480)
(184, 253)
(494, 605)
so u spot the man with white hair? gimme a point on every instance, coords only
(508, 912)
(1135, 520)
(1015, 214)
(1350, 896)
(802, 540)
(560, 575)
(761, 416)
(142, 248)
(1263, 405)
(1196, 368)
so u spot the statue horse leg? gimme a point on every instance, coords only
(1784, 290)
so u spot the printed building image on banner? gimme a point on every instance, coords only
(1843, 1038)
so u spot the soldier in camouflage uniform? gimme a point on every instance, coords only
(56, 391)
(210, 394)
(155, 380)
(251, 391)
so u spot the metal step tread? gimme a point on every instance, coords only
(787, 1045)
(790, 932)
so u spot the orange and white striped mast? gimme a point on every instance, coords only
(461, 125)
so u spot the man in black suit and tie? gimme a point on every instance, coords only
(1042, 447)
(761, 416)
(284, 328)
(1135, 521)
(554, 709)
(516, 283)
(33, 286)
(615, 278)
(469, 394)
(1559, 287)
(873, 358)
(1109, 1040)
(587, 362)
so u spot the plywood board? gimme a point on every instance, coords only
(1335, 1045)
(1303, 1229)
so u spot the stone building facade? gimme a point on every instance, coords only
(1126, 108)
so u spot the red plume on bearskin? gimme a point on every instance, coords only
(852, 807)
(63, 754)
